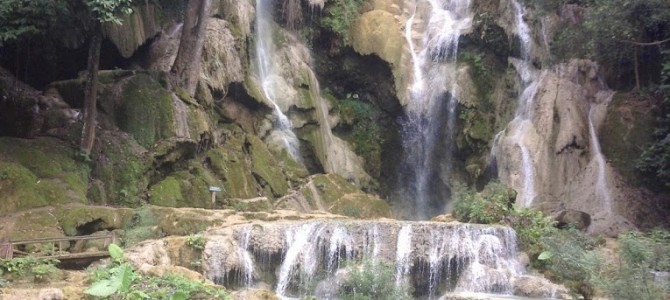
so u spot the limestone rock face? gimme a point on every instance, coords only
(560, 147)
(221, 59)
(334, 194)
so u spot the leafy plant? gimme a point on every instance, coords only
(489, 206)
(120, 281)
(30, 268)
(339, 17)
(197, 241)
(372, 280)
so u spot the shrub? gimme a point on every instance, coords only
(639, 255)
(372, 280)
(119, 280)
(30, 268)
(489, 206)
(197, 241)
(340, 16)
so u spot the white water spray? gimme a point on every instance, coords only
(267, 74)
(602, 189)
(440, 23)
(403, 254)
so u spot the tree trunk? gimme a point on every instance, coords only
(636, 61)
(186, 67)
(91, 92)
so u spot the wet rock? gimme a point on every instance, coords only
(51, 294)
(537, 287)
(574, 218)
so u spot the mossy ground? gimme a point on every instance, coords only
(627, 130)
(40, 172)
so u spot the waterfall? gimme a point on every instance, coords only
(602, 189)
(403, 252)
(519, 128)
(432, 33)
(448, 257)
(267, 76)
(243, 252)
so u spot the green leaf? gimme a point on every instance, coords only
(545, 255)
(179, 295)
(115, 252)
(102, 288)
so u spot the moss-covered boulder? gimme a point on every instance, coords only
(229, 162)
(332, 193)
(121, 167)
(266, 167)
(39, 172)
(146, 110)
(85, 220)
(31, 224)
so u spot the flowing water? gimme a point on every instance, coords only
(267, 76)
(520, 126)
(451, 257)
(432, 33)
(602, 189)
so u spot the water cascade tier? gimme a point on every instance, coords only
(431, 258)
(268, 77)
(432, 33)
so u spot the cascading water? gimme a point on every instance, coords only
(520, 126)
(427, 140)
(452, 257)
(243, 252)
(266, 77)
(602, 189)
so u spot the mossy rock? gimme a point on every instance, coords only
(84, 220)
(230, 162)
(628, 128)
(39, 172)
(260, 204)
(72, 91)
(166, 193)
(334, 194)
(34, 223)
(265, 166)
(146, 111)
(121, 165)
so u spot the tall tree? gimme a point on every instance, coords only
(102, 11)
(186, 67)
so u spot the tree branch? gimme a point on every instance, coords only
(655, 43)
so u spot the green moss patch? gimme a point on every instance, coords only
(39, 172)
(265, 166)
(166, 193)
(146, 112)
(83, 220)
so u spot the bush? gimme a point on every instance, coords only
(372, 280)
(489, 206)
(340, 16)
(639, 255)
(570, 259)
(30, 268)
(119, 280)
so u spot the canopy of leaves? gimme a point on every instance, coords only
(22, 18)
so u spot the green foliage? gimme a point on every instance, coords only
(494, 204)
(108, 11)
(489, 206)
(572, 260)
(639, 254)
(340, 16)
(120, 281)
(605, 29)
(29, 268)
(655, 160)
(21, 18)
(197, 241)
(372, 280)
(366, 135)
